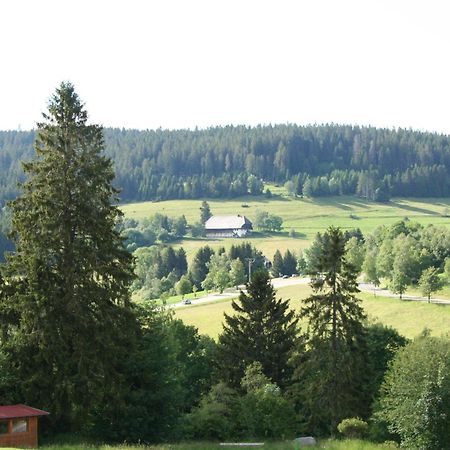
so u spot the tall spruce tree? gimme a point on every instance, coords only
(277, 264)
(330, 369)
(69, 278)
(263, 330)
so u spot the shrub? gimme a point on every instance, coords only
(353, 428)
(215, 417)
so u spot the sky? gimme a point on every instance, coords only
(147, 64)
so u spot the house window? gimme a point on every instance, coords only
(3, 427)
(19, 426)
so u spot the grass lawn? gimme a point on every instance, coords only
(305, 216)
(443, 293)
(408, 317)
(324, 445)
(138, 297)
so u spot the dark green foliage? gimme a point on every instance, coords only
(355, 232)
(237, 272)
(312, 255)
(277, 264)
(289, 263)
(255, 185)
(382, 344)
(205, 212)
(69, 302)
(180, 226)
(197, 230)
(183, 286)
(158, 269)
(135, 238)
(263, 330)
(260, 412)
(181, 261)
(219, 273)
(231, 161)
(355, 253)
(165, 376)
(284, 265)
(416, 394)
(404, 252)
(6, 244)
(244, 252)
(264, 412)
(429, 282)
(331, 361)
(301, 263)
(267, 222)
(199, 269)
(215, 417)
(353, 428)
(447, 270)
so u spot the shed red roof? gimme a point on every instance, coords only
(14, 411)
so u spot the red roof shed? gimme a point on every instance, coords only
(19, 426)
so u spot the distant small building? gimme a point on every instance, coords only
(19, 426)
(228, 226)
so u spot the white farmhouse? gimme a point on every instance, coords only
(228, 226)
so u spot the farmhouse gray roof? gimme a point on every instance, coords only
(227, 223)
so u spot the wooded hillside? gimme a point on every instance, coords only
(229, 161)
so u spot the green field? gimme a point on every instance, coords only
(285, 445)
(408, 317)
(305, 216)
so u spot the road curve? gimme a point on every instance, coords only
(283, 282)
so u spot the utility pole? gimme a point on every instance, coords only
(250, 262)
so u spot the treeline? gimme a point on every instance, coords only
(163, 271)
(232, 161)
(404, 254)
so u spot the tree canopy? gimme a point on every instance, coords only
(68, 282)
(330, 370)
(263, 330)
(231, 161)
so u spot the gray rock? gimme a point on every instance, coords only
(305, 441)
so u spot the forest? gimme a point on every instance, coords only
(224, 162)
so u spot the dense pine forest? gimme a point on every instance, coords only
(230, 161)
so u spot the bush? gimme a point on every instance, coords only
(215, 417)
(353, 428)
(197, 230)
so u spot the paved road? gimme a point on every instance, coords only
(368, 287)
(283, 282)
(277, 283)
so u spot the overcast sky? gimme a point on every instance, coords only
(186, 63)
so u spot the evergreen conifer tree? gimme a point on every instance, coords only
(330, 373)
(69, 278)
(263, 330)
(205, 212)
(289, 263)
(277, 264)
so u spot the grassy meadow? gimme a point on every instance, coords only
(305, 216)
(408, 317)
(284, 445)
